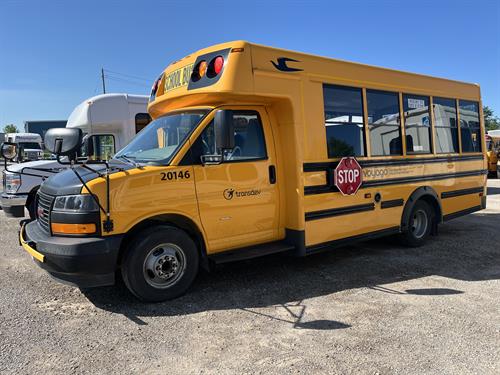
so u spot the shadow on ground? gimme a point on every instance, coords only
(463, 250)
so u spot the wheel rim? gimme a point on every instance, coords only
(164, 265)
(419, 223)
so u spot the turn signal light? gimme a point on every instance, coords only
(63, 228)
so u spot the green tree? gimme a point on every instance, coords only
(491, 121)
(10, 128)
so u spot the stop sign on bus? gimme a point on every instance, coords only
(348, 176)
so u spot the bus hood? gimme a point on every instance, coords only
(67, 183)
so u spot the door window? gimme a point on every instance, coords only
(249, 141)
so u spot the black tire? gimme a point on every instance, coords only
(155, 254)
(419, 225)
(31, 207)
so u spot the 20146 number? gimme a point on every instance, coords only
(175, 175)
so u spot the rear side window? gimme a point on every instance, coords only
(384, 123)
(417, 124)
(344, 121)
(445, 125)
(469, 126)
(141, 120)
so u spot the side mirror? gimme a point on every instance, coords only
(9, 150)
(224, 130)
(63, 141)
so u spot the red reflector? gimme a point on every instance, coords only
(218, 64)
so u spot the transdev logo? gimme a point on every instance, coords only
(231, 193)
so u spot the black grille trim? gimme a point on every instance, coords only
(44, 205)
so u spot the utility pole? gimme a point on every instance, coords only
(103, 83)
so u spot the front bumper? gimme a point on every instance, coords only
(80, 261)
(13, 204)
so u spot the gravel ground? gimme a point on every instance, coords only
(371, 308)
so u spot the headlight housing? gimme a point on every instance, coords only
(76, 203)
(11, 182)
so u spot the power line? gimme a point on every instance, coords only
(129, 76)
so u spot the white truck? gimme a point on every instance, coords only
(112, 120)
(29, 145)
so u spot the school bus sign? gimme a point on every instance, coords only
(348, 176)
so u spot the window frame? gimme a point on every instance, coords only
(400, 126)
(480, 126)
(224, 161)
(435, 126)
(363, 123)
(431, 124)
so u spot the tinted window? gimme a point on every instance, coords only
(417, 124)
(384, 123)
(249, 141)
(445, 125)
(469, 126)
(344, 121)
(141, 120)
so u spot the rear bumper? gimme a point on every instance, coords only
(78, 261)
(13, 204)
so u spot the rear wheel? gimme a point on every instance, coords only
(160, 264)
(419, 225)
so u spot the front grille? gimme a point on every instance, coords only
(43, 210)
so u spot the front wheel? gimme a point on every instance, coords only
(160, 263)
(419, 225)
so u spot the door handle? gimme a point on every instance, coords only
(272, 174)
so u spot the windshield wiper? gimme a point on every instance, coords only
(130, 161)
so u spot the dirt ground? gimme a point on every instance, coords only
(371, 308)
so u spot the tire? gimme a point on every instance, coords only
(419, 225)
(31, 207)
(160, 263)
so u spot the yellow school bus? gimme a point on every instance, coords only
(256, 150)
(492, 151)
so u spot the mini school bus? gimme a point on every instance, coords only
(255, 150)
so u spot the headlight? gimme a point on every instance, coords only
(12, 182)
(80, 203)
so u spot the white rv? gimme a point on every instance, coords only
(113, 120)
(29, 145)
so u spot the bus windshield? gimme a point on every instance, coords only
(158, 142)
(30, 145)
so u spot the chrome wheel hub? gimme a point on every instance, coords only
(419, 223)
(164, 265)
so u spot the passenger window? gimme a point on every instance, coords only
(141, 120)
(384, 123)
(343, 121)
(417, 124)
(248, 139)
(445, 125)
(469, 126)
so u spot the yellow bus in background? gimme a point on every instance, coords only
(257, 150)
(492, 152)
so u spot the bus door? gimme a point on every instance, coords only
(238, 199)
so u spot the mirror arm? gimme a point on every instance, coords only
(108, 223)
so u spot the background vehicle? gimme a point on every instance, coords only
(256, 150)
(114, 119)
(29, 144)
(492, 152)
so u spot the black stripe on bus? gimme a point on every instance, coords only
(315, 215)
(392, 203)
(458, 193)
(350, 240)
(321, 189)
(322, 166)
(467, 211)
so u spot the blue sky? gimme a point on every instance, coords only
(51, 52)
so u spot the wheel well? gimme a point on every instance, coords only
(428, 195)
(178, 221)
(31, 195)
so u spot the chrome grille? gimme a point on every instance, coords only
(43, 210)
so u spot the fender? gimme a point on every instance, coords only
(427, 193)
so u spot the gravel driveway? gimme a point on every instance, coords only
(371, 308)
